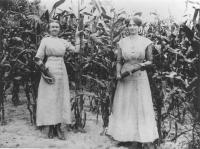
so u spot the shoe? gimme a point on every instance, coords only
(50, 134)
(60, 134)
(55, 131)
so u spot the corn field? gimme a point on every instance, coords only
(174, 76)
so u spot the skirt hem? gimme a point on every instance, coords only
(132, 140)
(52, 123)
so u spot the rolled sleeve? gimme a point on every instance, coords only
(41, 50)
(69, 46)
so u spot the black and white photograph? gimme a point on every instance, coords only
(100, 74)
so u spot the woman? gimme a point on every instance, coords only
(132, 118)
(53, 102)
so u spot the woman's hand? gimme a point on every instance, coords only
(49, 80)
(78, 33)
(77, 37)
(118, 76)
(136, 67)
(48, 77)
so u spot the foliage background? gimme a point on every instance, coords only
(174, 78)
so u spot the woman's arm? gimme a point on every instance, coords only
(119, 62)
(39, 62)
(75, 48)
(48, 77)
(41, 65)
(40, 55)
(148, 56)
(141, 66)
(77, 45)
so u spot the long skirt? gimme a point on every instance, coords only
(133, 117)
(53, 102)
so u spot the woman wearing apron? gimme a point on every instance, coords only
(53, 101)
(133, 118)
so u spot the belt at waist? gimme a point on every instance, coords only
(128, 66)
(133, 62)
(55, 58)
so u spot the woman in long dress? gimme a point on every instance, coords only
(132, 118)
(53, 101)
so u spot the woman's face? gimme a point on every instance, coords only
(54, 28)
(133, 28)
